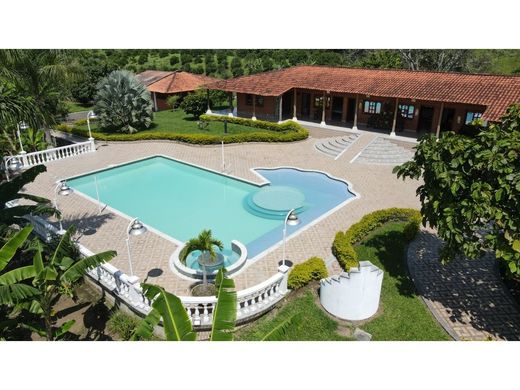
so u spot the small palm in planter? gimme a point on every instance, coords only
(205, 243)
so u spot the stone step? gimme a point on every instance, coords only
(320, 148)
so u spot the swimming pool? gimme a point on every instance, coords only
(180, 200)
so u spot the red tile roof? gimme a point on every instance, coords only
(173, 82)
(493, 91)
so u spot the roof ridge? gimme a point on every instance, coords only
(404, 70)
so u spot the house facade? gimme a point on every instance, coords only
(163, 84)
(395, 100)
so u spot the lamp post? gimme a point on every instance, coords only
(13, 164)
(291, 219)
(61, 189)
(90, 115)
(135, 228)
(21, 126)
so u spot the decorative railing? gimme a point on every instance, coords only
(251, 302)
(54, 154)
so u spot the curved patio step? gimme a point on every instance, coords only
(384, 152)
(333, 147)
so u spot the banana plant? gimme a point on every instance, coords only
(176, 322)
(56, 272)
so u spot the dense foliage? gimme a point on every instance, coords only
(343, 244)
(471, 190)
(194, 104)
(303, 273)
(122, 103)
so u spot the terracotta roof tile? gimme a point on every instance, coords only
(493, 91)
(173, 82)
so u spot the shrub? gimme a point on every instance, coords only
(285, 132)
(194, 104)
(343, 245)
(122, 324)
(122, 103)
(311, 269)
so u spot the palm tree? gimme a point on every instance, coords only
(206, 244)
(123, 103)
(42, 75)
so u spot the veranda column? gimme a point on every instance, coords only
(154, 101)
(230, 98)
(254, 108)
(438, 133)
(280, 109)
(394, 122)
(294, 106)
(355, 114)
(207, 98)
(324, 105)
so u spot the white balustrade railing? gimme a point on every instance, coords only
(250, 302)
(48, 155)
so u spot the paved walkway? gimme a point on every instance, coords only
(378, 187)
(467, 297)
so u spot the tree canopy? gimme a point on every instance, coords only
(471, 190)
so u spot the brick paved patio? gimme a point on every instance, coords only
(467, 297)
(377, 186)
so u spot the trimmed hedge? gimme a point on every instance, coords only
(343, 245)
(311, 269)
(285, 132)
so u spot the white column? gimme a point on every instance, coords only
(280, 109)
(283, 269)
(294, 106)
(355, 114)
(438, 133)
(154, 101)
(254, 108)
(394, 122)
(323, 108)
(207, 97)
(230, 97)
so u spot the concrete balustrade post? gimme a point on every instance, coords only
(284, 270)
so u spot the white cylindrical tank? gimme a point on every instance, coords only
(353, 295)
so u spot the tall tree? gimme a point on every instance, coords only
(41, 74)
(435, 60)
(471, 190)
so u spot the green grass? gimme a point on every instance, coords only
(314, 325)
(404, 315)
(77, 107)
(179, 122)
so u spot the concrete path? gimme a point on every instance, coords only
(467, 297)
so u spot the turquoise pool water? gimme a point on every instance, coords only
(180, 200)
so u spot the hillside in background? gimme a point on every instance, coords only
(231, 63)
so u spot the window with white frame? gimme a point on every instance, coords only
(372, 107)
(407, 111)
(471, 116)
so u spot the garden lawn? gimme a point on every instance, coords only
(77, 107)
(403, 315)
(314, 324)
(179, 122)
